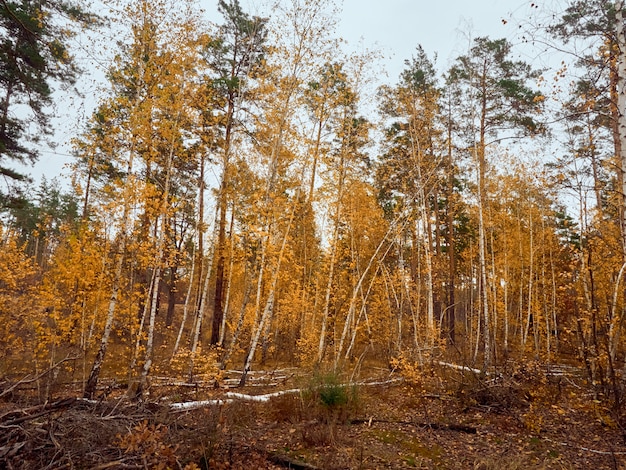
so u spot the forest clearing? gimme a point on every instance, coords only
(264, 257)
(535, 417)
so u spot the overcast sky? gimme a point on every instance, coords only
(440, 26)
(395, 27)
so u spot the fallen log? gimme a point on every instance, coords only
(230, 396)
(286, 462)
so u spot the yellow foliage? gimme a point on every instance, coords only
(19, 303)
(205, 365)
(408, 368)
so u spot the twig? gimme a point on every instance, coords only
(45, 409)
(586, 449)
(115, 463)
(439, 426)
(27, 380)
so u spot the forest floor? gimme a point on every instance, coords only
(441, 418)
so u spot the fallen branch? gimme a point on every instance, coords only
(285, 461)
(461, 368)
(438, 426)
(262, 398)
(27, 379)
(231, 396)
(192, 405)
(37, 411)
(586, 449)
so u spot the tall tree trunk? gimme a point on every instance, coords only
(161, 242)
(620, 142)
(171, 296)
(618, 316)
(451, 307)
(482, 248)
(268, 310)
(92, 381)
(229, 281)
(333, 256)
(201, 307)
(482, 262)
(218, 302)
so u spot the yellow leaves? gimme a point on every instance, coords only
(18, 300)
(15, 267)
(408, 368)
(204, 363)
(533, 419)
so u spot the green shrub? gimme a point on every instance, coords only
(327, 398)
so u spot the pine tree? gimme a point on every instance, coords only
(34, 54)
(499, 100)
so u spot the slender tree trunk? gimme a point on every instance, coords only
(484, 299)
(620, 142)
(482, 203)
(451, 307)
(230, 280)
(88, 189)
(355, 292)
(529, 316)
(430, 290)
(145, 310)
(505, 310)
(618, 316)
(331, 269)
(161, 242)
(197, 330)
(363, 311)
(92, 381)
(183, 322)
(235, 336)
(218, 304)
(268, 310)
(171, 296)
(197, 266)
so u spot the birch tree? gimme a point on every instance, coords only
(233, 58)
(410, 173)
(140, 128)
(302, 36)
(499, 100)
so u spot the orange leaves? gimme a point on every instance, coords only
(148, 443)
(19, 302)
(15, 267)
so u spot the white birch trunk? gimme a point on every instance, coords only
(268, 310)
(617, 321)
(355, 293)
(92, 381)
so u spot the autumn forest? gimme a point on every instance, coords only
(246, 197)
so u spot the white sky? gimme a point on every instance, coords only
(440, 26)
(395, 27)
